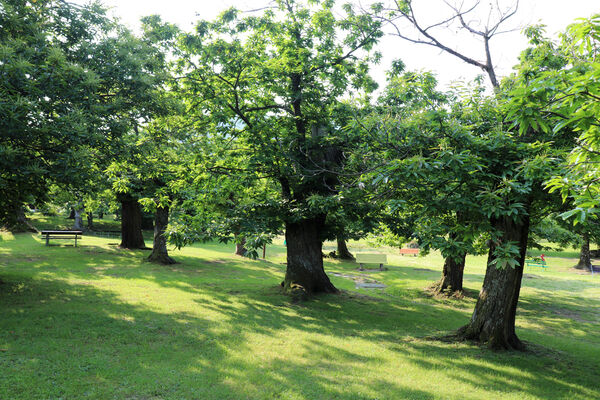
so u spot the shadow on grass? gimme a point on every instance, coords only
(57, 334)
(76, 340)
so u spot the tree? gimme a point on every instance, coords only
(464, 17)
(467, 175)
(271, 82)
(44, 93)
(532, 154)
(430, 178)
(73, 82)
(565, 100)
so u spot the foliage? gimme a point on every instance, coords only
(565, 99)
(72, 83)
(269, 93)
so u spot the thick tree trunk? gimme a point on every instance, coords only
(131, 224)
(90, 220)
(452, 276)
(585, 261)
(78, 223)
(240, 243)
(71, 213)
(493, 320)
(160, 254)
(342, 249)
(305, 258)
(19, 222)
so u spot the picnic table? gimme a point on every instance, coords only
(61, 235)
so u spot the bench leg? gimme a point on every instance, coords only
(75, 240)
(361, 267)
(47, 240)
(380, 267)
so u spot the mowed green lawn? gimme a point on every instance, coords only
(98, 322)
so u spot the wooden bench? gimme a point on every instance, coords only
(536, 263)
(414, 252)
(61, 235)
(371, 258)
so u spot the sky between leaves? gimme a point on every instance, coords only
(556, 14)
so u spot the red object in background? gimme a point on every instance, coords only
(542, 257)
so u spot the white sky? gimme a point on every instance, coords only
(556, 14)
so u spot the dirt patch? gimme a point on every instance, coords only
(94, 269)
(585, 271)
(432, 292)
(357, 278)
(531, 276)
(214, 262)
(358, 296)
(574, 315)
(100, 251)
(16, 260)
(372, 269)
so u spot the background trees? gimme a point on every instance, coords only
(73, 83)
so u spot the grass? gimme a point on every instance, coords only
(98, 322)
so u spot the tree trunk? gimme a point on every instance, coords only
(71, 213)
(90, 220)
(131, 224)
(160, 254)
(342, 249)
(452, 276)
(585, 261)
(19, 222)
(101, 214)
(78, 223)
(240, 243)
(493, 320)
(305, 258)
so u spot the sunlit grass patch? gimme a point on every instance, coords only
(99, 322)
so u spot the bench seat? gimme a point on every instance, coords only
(371, 258)
(61, 235)
(414, 252)
(536, 263)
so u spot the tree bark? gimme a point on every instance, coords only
(493, 320)
(585, 261)
(19, 221)
(78, 223)
(131, 224)
(240, 243)
(342, 249)
(90, 220)
(71, 213)
(160, 254)
(452, 276)
(305, 258)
